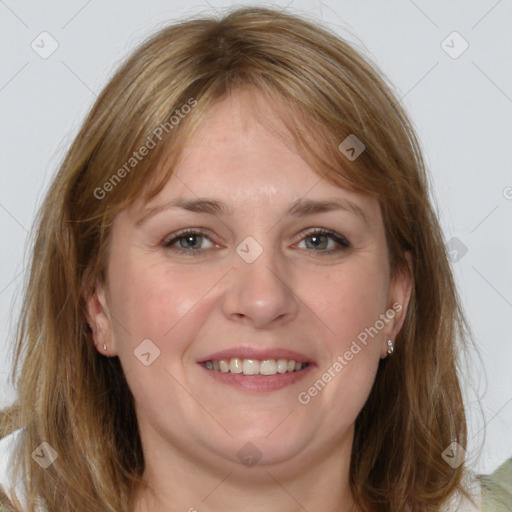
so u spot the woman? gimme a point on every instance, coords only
(240, 292)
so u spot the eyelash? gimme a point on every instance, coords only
(343, 243)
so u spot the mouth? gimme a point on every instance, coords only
(255, 367)
(257, 370)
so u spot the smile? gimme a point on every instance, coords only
(255, 367)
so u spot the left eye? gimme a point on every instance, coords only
(327, 240)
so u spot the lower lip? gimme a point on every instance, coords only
(263, 384)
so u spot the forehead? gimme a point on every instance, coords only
(243, 146)
(243, 154)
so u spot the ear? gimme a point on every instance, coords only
(399, 296)
(99, 319)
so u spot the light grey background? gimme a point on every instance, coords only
(461, 107)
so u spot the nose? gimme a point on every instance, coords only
(260, 293)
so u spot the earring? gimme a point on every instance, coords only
(390, 347)
(104, 347)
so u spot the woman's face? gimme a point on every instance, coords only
(257, 281)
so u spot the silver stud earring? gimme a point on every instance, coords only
(390, 347)
(104, 347)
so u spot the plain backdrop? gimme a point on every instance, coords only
(450, 64)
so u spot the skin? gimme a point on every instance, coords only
(297, 295)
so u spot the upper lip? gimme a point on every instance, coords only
(244, 352)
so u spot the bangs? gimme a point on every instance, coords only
(300, 128)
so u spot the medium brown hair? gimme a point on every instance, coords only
(78, 400)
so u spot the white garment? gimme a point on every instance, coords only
(9, 444)
(15, 491)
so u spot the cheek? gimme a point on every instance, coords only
(152, 304)
(356, 297)
(162, 303)
(150, 300)
(353, 299)
(158, 304)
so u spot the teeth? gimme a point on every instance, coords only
(268, 367)
(255, 367)
(282, 365)
(235, 365)
(251, 367)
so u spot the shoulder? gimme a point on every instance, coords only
(460, 503)
(8, 448)
(13, 490)
(489, 493)
(497, 489)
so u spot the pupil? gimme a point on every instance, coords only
(316, 240)
(191, 240)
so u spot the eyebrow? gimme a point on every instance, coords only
(300, 208)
